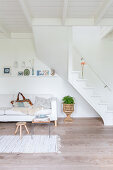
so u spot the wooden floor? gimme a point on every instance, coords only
(86, 145)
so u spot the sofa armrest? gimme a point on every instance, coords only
(54, 109)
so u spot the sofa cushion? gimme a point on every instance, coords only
(14, 113)
(2, 112)
(18, 113)
(42, 102)
(44, 112)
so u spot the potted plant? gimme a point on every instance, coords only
(68, 107)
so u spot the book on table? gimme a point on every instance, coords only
(41, 118)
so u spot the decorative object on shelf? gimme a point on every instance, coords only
(32, 71)
(43, 73)
(26, 72)
(7, 71)
(82, 64)
(68, 107)
(40, 73)
(46, 72)
(32, 66)
(52, 72)
(20, 73)
(15, 65)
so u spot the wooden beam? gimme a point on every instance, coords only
(64, 14)
(106, 5)
(26, 12)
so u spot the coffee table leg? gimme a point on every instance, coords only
(49, 130)
(32, 130)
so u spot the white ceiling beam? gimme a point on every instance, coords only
(64, 14)
(26, 12)
(21, 35)
(58, 22)
(4, 31)
(105, 31)
(70, 22)
(106, 5)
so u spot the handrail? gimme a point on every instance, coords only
(98, 76)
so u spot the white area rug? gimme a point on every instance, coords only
(30, 144)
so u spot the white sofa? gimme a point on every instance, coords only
(8, 115)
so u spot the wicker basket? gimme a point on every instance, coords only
(68, 108)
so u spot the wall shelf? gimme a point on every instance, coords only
(28, 76)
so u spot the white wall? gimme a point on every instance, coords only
(98, 53)
(52, 47)
(23, 49)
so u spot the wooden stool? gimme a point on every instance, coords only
(20, 124)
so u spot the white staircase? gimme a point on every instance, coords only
(54, 45)
(89, 94)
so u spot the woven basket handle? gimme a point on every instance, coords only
(21, 95)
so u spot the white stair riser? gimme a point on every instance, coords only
(103, 108)
(75, 76)
(80, 76)
(88, 92)
(80, 83)
(96, 99)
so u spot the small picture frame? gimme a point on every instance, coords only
(20, 73)
(7, 70)
(40, 73)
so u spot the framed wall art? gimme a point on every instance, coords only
(6, 70)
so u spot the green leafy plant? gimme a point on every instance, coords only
(68, 100)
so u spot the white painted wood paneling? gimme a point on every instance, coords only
(13, 18)
(45, 8)
(109, 13)
(83, 8)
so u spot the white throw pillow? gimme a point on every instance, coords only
(42, 102)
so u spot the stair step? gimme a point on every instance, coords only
(103, 103)
(88, 88)
(103, 107)
(76, 72)
(95, 96)
(109, 111)
(81, 80)
(75, 75)
(89, 91)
